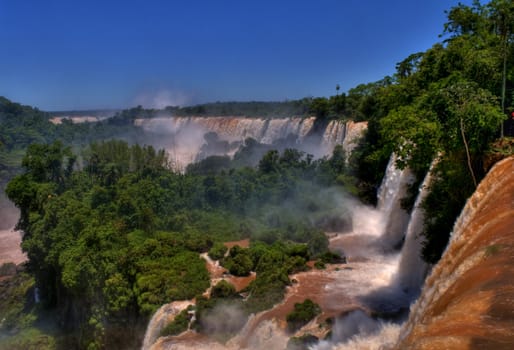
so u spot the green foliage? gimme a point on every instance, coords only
(30, 338)
(248, 109)
(160, 280)
(239, 261)
(179, 324)
(273, 265)
(16, 297)
(217, 251)
(449, 102)
(270, 162)
(320, 265)
(210, 165)
(444, 203)
(120, 236)
(22, 126)
(302, 314)
(318, 244)
(223, 289)
(332, 258)
(319, 107)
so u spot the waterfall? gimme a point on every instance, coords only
(183, 137)
(412, 268)
(37, 297)
(334, 133)
(375, 280)
(391, 191)
(467, 298)
(353, 133)
(162, 317)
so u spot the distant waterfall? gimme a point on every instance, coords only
(183, 137)
(391, 191)
(37, 297)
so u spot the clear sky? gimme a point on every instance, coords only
(71, 54)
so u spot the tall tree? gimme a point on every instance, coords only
(502, 15)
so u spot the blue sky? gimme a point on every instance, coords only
(65, 54)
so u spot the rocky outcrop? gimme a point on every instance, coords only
(468, 300)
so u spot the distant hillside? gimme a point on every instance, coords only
(248, 109)
(335, 107)
(99, 113)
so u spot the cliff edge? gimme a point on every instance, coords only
(468, 299)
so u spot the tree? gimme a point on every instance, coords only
(270, 162)
(318, 244)
(502, 14)
(464, 20)
(302, 314)
(409, 65)
(217, 251)
(223, 289)
(319, 107)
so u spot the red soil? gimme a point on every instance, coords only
(245, 243)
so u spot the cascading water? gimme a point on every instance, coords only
(413, 269)
(183, 137)
(160, 319)
(466, 302)
(370, 269)
(392, 190)
(390, 281)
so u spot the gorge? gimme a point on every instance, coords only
(375, 280)
(366, 298)
(185, 176)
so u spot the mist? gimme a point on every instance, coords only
(9, 214)
(163, 98)
(10, 249)
(358, 331)
(190, 139)
(224, 319)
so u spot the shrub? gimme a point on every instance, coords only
(320, 265)
(239, 262)
(179, 324)
(223, 289)
(217, 251)
(332, 258)
(302, 314)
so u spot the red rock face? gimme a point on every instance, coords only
(468, 300)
